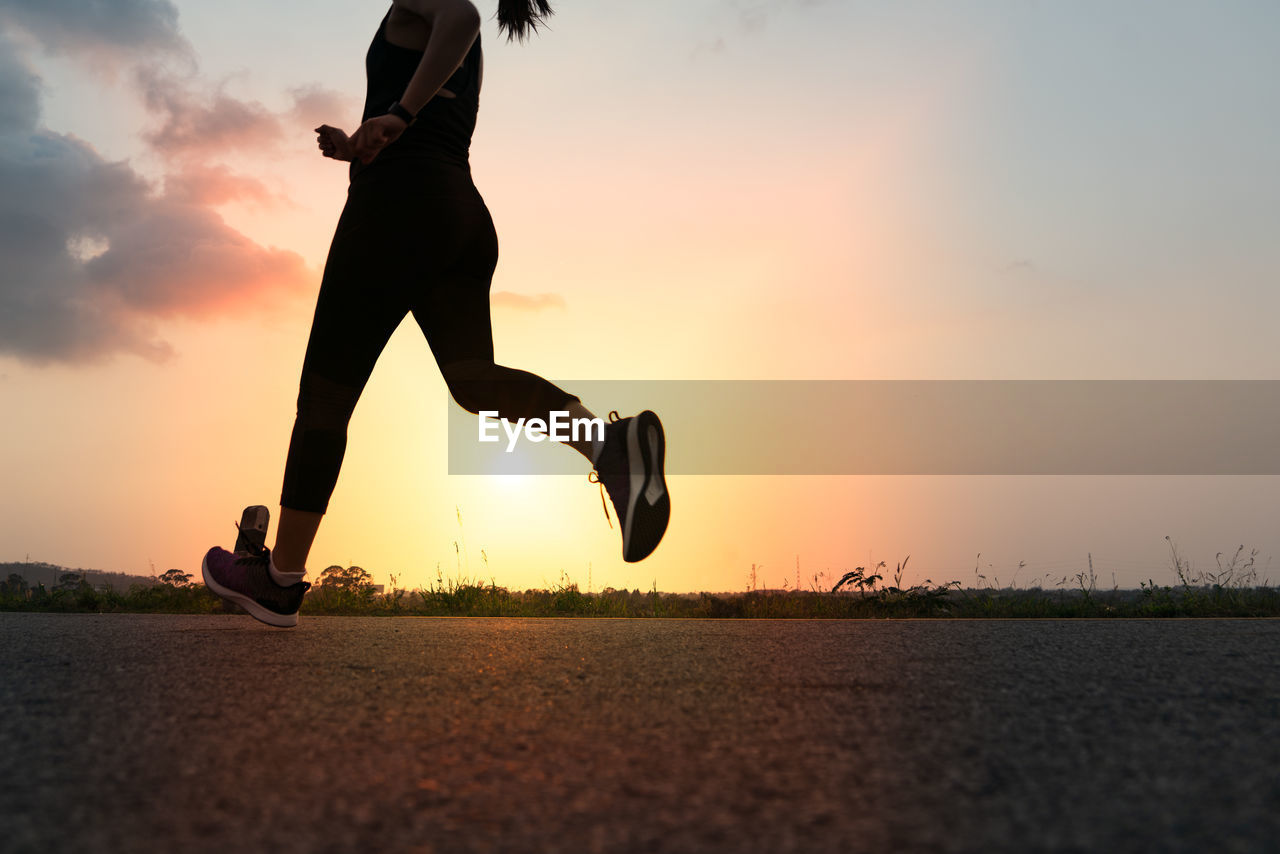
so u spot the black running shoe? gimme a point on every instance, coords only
(630, 469)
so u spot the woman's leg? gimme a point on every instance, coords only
(452, 309)
(356, 313)
(479, 384)
(294, 536)
(588, 447)
(461, 339)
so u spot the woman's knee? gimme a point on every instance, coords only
(473, 383)
(326, 404)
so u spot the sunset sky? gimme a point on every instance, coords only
(682, 190)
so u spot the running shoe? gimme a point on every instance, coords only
(253, 530)
(245, 579)
(630, 469)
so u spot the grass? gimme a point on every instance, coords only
(1232, 589)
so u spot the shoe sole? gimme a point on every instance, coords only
(649, 503)
(265, 615)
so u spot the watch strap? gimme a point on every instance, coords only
(398, 110)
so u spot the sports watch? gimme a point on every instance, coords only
(397, 110)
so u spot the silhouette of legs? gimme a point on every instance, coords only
(398, 249)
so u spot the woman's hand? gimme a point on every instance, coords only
(333, 143)
(375, 135)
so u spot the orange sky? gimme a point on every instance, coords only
(767, 191)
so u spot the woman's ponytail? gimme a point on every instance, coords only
(521, 17)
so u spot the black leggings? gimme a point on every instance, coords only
(412, 238)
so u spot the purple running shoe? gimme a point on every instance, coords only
(245, 579)
(630, 468)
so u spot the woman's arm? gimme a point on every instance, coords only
(454, 27)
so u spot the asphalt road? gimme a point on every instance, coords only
(161, 733)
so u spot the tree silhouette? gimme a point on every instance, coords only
(351, 579)
(69, 581)
(176, 578)
(15, 585)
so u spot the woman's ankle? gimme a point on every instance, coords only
(286, 576)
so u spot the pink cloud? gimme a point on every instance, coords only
(216, 185)
(526, 302)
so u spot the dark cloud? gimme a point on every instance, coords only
(94, 258)
(70, 25)
(19, 93)
(526, 302)
(191, 121)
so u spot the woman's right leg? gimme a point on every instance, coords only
(294, 536)
(356, 313)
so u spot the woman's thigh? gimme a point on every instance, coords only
(450, 294)
(408, 241)
(358, 306)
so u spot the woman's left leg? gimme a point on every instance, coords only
(451, 306)
(456, 322)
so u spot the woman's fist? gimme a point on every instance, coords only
(333, 143)
(375, 135)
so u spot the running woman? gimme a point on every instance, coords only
(416, 237)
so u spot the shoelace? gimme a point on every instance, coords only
(257, 554)
(594, 476)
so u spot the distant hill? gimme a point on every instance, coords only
(36, 572)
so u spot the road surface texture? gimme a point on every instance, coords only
(165, 733)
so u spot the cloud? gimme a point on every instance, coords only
(97, 25)
(315, 105)
(526, 302)
(94, 258)
(171, 257)
(217, 185)
(194, 123)
(19, 93)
